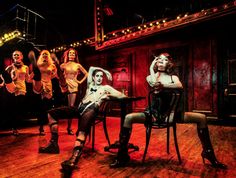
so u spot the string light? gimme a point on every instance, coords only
(121, 35)
(155, 26)
(9, 36)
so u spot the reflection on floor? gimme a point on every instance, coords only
(20, 158)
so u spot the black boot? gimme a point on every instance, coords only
(15, 132)
(71, 163)
(52, 147)
(41, 130)
(62, 80)
(122, 156)
(208, 151)
(69, 130)
(32, 59)
(10, 86)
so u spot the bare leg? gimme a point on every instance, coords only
(198, 118)
(134, 118)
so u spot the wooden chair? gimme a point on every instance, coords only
(101, 117)
(165, 103)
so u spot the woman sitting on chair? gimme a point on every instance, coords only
(86, 112)
(160, 77)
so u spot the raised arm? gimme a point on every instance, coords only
(90, 74)
(59, 72)
(1, 81)
(28, 78)
(37, 84)
(152, 72)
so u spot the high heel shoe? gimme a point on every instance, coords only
(210, 156)
(208, 151)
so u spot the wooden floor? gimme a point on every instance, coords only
(19, 156)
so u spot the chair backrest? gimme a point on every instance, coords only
(102, 112)
(162, 106)
(101, 117)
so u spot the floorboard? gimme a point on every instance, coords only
(19, 155)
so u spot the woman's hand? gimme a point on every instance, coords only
(54, 58)
(153, 63)
(158, 86)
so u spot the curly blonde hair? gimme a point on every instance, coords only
(40, 58)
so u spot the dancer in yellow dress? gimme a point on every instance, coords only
(19, 73)
(71, 68)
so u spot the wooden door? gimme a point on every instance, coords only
(229, 89)
(227, 79)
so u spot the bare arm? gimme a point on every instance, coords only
(55, 66)
(84, 72)
(2, 81)
(54, 71)
(28, 77)
(176, 83)
(151, 69)
(114, 93)
(151, 82)
(62, 66)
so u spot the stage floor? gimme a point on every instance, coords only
(19, 155)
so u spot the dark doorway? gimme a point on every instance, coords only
(227, 78)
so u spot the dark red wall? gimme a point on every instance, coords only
(197, 55)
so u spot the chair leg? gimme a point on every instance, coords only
(93, 137)
(105, 131)
(168, 140)
(148, 135)
(90, 134)
(176, 143)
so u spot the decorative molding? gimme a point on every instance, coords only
(122, 36)
(131, 34)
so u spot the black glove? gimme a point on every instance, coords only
(32, 58)
(60, 74)
(7, 77)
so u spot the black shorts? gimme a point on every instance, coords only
(64, 112)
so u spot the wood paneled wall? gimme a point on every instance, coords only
(196, 64)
